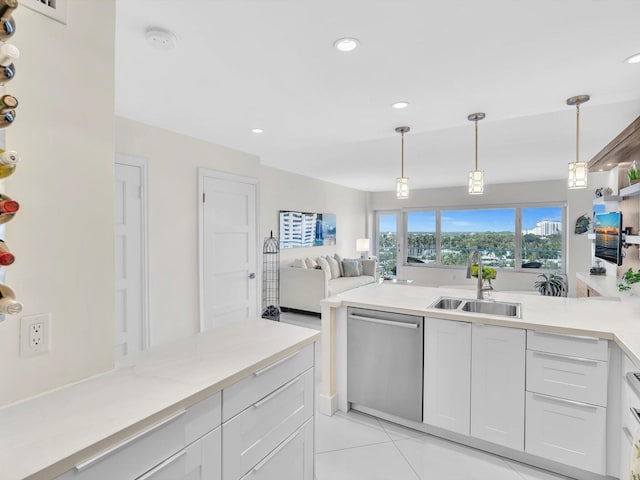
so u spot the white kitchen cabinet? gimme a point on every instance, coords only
(138, 454)
(447, 374)
(498, 384)
(199, 461)
(252, 434)
(291, 460)
(566, 431)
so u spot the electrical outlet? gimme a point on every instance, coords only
(35, 335)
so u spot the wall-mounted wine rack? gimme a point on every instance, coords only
(9, 53)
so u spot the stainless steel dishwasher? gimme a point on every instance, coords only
(384, 362)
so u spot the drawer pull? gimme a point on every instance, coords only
(275, 452)
(564, 400)
(566, 357)
(635, 413)
(87, 463)
(566, 335)
(276, 393)
(274, 364)
(164, 464)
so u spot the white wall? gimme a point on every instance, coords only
(280, 190)
(496, 195)
(173, 220)
(63, 235)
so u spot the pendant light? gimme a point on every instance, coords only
(476, 177)
(578, 171)
(402, 183)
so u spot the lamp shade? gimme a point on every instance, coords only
(362, 245)
(402, 188)
(578, 174)
(476, 182)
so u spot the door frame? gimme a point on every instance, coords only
(209, 173)
(143, 164)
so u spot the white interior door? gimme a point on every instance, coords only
(228, 249)
(131, 332)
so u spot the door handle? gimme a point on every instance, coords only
(390, 323)
(252, 275)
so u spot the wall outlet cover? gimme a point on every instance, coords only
(35, 335)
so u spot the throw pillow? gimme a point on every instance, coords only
(324, 265)
(299, 263)
(333, 265)
(339, 260)
(359, 262)
(351, 268)
(310, 262)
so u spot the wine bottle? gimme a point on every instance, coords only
(7, 72)
(7, 23)
(8, 208)
(9, 53)
(6, 257)
(8, 303)
(8, 162)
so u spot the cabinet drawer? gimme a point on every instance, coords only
(147, 449)
(202, 460)
(629, 401)
(291, 460)
(571, 345)
(573, 378)
(258, 430)
(246, 392)
(569, 432)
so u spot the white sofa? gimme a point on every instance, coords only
(303, 288)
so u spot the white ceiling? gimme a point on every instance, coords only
(241, 64)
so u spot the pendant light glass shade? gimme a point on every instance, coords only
(402, 182)
(578, 171)
(476, 177)
(476, 182)
(402, 187)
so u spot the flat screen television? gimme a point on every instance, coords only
(608, 229)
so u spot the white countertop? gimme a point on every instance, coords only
(41, 436)
(606, 285)
(593, 316)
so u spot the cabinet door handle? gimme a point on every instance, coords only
(276, 393)
(274, 364)
(636, 414)
(627, 434)
(577, 337)
(87, 463)
(564, 400)
(390, 323)
(566, 357)
(164, 464)
(275, 452)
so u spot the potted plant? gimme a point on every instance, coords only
(633, 173)
(552, 284)
(488, 274)
(631, 281)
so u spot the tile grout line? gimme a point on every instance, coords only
(355, 446)
(405, 458)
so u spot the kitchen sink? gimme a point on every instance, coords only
(489, 307)
(448, 304)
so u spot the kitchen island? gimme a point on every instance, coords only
(535, 409)
(161, 413)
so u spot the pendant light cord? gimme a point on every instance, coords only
(577, 131)
(476, 122)
(402, 158)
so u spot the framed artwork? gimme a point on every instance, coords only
(302, 229)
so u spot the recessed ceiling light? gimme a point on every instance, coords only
(399, 105)
(346, 44)
(161, 39)
(257, 130)
(633, 58)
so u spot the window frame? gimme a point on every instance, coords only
(403, 234)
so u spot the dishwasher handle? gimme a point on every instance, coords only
(390, 323)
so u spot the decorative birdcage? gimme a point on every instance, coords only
(271, 278)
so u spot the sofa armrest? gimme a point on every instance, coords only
(369, 267)
(303, 288)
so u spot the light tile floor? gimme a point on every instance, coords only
(355, 446)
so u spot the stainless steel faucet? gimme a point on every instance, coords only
(481, 289)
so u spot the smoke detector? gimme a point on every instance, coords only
(161, 39)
